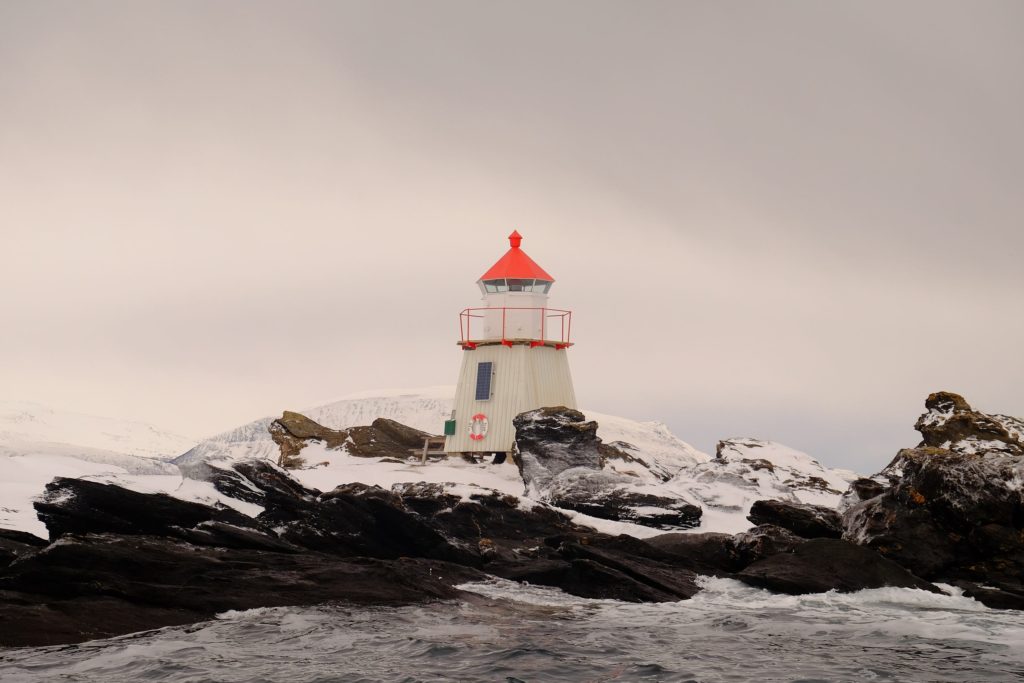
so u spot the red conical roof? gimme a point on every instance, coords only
(516, 264)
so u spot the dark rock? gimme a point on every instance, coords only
(79, 506)
(721, 554)
(546, 572)
(711, 554)
(993, 596)
(14, 544)
(624, 505)
(102, 585)
(949, 516)
(590, 579)
(808, 521)
(359, 520)
(761, 542)
(909, 536)
(249, 480)
(552, 440)
(668, 582)
(489, 520)
(824, 564)
(954, 510)
(221, 535)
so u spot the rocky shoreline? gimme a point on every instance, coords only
(950, 511)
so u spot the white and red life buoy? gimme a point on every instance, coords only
(478, 427)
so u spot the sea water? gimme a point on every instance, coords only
(508, 632)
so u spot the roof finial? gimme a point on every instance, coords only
(515, 239)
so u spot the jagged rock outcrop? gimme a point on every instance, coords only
(952, 424)
(954, 511)
(384, 438)
(824, 564)
(553, 440)
(807, 521)
(561, 460)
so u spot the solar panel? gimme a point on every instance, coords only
(483, 380)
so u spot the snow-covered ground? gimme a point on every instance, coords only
(661, 462)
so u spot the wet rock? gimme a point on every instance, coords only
(808, 521)
(95, 586)
(610, 567)
(824, 564)
(711, 554)
(761, 542)
(994, 596)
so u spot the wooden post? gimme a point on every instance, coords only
(426, 447)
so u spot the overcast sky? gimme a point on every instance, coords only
(788, 220)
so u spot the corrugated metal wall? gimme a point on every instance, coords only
(524, 379)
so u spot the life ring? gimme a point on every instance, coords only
(478, 427)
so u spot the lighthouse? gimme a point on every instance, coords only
(514, 355)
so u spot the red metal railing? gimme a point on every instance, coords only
(509, 325)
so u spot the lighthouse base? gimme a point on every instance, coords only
(496, 383)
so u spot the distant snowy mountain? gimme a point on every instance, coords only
(30, 428)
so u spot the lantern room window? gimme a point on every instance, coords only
(516, 285)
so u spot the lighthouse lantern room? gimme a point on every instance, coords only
(514, 356)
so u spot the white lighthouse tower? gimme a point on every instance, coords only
(514, 356)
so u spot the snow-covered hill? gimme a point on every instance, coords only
(30, 428)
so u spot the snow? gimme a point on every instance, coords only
(663, 464)
(343, 468)
(32, 428)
